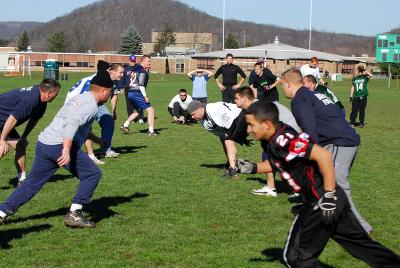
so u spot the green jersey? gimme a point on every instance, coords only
(330, 94)
(360, 86)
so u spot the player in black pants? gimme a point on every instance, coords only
(308, 169)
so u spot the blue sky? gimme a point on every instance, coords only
(365, 17)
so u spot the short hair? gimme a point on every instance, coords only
(292, 75)
(114, 66)
(314, 59)
(311, 78)
(182, 90)
(264, 111)
(245, 92)
(258, 64)
(360, 68)
(49, 85)
(145, 56)
(229, 55)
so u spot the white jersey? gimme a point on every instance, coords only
(220, 115)
(82, 86)
(183, 104)
(306, 70)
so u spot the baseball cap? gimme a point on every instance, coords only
(194, 105)
(132, 58)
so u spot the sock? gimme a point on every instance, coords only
(126, 124)
(21, 176)
(151, 129)
(2, 214)
(75, 207)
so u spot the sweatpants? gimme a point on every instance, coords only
(107, 125)
(228, 95)
(358, 105)
(177, 111)
(44, 166)
(308, 237)
(343, 158)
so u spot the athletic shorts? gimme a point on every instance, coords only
(137, 100)
(238, 130)
(13, 135)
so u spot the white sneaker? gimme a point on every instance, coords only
(111, 154)
(140, 121)
(96, 160)
(265, 190)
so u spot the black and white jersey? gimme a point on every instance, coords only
(289, 154)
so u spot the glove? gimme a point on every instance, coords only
(327, 204)
(248, 142)
(246, 167)
(351, 99)
(326, 84)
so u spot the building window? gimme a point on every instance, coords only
(273, 61)
(398, 39)
(287, 62)
(391, 44)
(180, 67)
(395, 57)
(384, 56)
(384, 43)
(380, 43)
(205, 63)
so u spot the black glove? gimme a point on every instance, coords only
(248, 142)
(327, 204)
(247, 167)
(351, 99)
(326, 84)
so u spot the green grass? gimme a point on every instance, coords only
(163, 203)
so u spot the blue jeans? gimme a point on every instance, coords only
(43, 168)
(107, 125)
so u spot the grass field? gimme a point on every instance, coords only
(163, 203)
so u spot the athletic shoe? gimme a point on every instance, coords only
(153, 133)
(265, 190)
(294, 198)
(2, 220)
(75, 219)
(231, 173)
(360, 125)
(96, 160)
(20, 183)
(111, 154)
(141, 121)
(353, 125)
(124, 129)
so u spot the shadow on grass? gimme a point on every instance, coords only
(217, 166)
(161, 129)
(128, 149)
(281, 187)
(5, 187)
(54, 178)
(99, 209)
(12, 234)
(274, 255)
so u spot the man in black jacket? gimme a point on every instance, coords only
(229, 83)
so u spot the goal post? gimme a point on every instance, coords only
(15, 64)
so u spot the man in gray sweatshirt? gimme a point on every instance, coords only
(59, 146)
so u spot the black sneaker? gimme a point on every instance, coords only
(353, 125)
(75, 219)
(231, 173)
(361, 125)
(153, 133)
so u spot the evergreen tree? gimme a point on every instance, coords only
(231, 42)
(164, 39)
(58, 42)
(131, 42)
(4, 42)
(23, 42)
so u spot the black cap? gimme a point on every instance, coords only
(103, 65)
(102, 78)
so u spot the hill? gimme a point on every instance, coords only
(11, 29)
(98, 27)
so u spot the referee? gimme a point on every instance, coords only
(229, 83)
